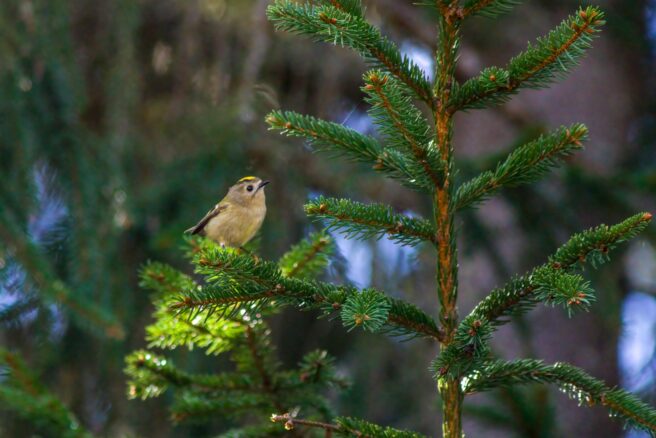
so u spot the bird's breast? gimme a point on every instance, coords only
(237, 226)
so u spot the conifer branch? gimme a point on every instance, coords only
(524, 165)
(593, 244)
(24, 394)
(368, 309)
(446, 8)
(51, 287)
(239, 279)
(365, 221)
(348, 427)
(195, 405)
(163, 279)
(291, 422)
(353, 7)
(488, 8)
(258, 361)
(206, 330)
(20, 373)
(317, 367)
(150, 375)
(309, 257)
(397, 317)
(403, 318)
(402, 124)
(537, 67)
(573, 381)
(334, 25)
(340, 140)
(551, 282)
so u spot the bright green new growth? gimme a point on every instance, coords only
(259, 382)
(238, 284)
(226, 312)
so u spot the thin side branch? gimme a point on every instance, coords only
(291, 422)
(488, 8)
(334, 25)
(526, 164)
(572, 380)
(473, 7)
(556, 53)
(345, 427)
(239, 280)
(395, 319)
(401, 121)
(261, 369)
(342, 141)
(470, 350)
(366, 221)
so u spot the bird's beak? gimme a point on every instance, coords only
(262, 184)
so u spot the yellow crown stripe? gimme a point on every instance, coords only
(247, 178)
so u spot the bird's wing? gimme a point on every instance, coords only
(218, 208)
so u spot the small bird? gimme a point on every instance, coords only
(237, 217)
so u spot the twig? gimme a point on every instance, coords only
(291, 422)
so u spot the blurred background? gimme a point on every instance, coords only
(122, 122)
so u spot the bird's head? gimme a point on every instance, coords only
(247, 190)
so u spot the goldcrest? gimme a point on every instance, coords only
(237, 217)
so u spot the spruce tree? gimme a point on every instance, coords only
(414, 116)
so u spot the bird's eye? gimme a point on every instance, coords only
(249, 188)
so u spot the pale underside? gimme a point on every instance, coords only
(236, 225)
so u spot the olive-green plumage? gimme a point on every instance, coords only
(237, 217)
